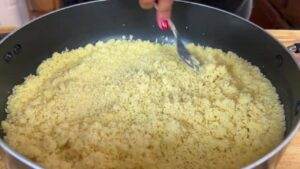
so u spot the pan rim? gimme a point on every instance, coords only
(8, 149)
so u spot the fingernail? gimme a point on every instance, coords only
(163, 24)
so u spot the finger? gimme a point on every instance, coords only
(163, 15)
(164, 9)
(146, 4)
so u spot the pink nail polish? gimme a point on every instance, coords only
(164, 24)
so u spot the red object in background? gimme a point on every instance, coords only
(277, 14)
(289, 10)
(41, 7)
(266, 16)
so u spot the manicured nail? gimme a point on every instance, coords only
(164, 24)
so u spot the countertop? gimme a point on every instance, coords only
(291, 157)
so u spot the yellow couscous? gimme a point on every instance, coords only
(134, 105)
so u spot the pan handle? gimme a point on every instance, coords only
(294, 48)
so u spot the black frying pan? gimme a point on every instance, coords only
(22, 51)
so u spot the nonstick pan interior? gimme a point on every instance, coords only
(24, 50)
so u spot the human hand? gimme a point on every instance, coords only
(163, 11)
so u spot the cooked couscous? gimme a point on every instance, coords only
(134, 105)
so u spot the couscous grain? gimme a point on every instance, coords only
(133, 104)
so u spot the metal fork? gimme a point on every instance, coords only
(182, 51)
